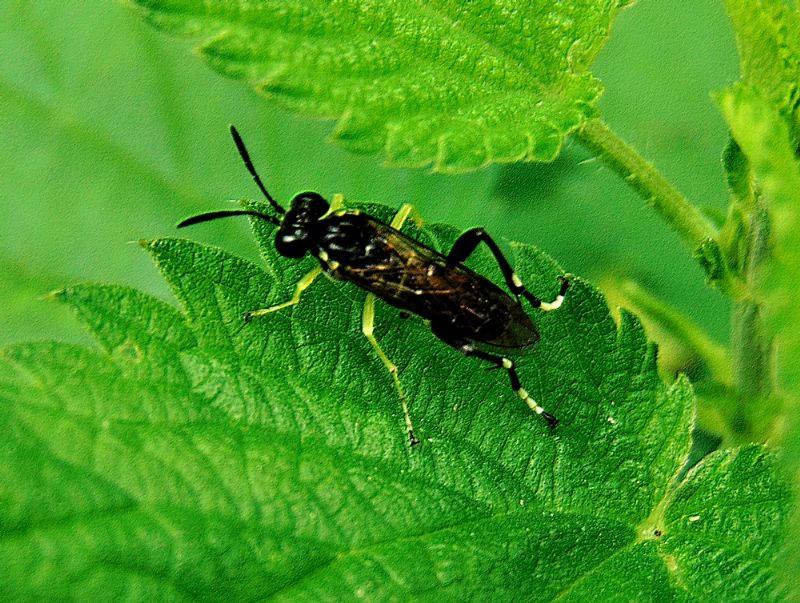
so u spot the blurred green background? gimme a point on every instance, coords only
(113, 132)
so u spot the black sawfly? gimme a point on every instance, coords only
(463, 308)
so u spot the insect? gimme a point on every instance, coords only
(463, 308)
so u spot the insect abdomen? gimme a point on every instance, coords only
(415, 278)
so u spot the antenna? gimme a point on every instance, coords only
(213, 215)
(250, 168)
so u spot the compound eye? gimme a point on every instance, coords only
(292, 244)
(310, 204)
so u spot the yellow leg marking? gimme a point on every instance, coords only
(337, 203)
(556, 303)
(302, 285)
(526, 397)
(553, 305)
(367, 327)
(401, 216)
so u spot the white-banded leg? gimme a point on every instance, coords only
(468, 349)
(508, 364)
(548, 306)
(469, 241)
(303, 284)
(367, 327)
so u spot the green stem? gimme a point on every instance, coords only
(750, 349)
(714, 356)
(664, 198)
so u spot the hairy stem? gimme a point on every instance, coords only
(664, 198)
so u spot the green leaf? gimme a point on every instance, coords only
(193, 456)
(125, 160)
(711, 526)
(459, 85)
(769, 50)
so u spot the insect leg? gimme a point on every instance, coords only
(469, 241)
(302, 285)
(401, 216)
(337, 202)
(508, 364)
(468, 349)
(367, 327)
